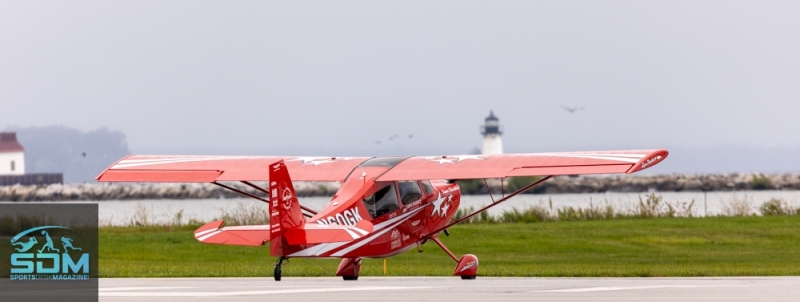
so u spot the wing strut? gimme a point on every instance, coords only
(489, 190)
(240, 191)
(305, 208)
(523, 189)
(259, 198)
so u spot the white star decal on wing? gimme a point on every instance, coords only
(466, 157)
(440, 159)
(314, 160)
(437, 205)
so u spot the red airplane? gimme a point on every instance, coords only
(385, 205)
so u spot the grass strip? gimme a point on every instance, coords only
(712, 246)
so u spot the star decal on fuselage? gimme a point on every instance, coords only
(444, 209)
(437, 206)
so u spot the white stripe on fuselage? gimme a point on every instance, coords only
(326, 247)
(372, 237)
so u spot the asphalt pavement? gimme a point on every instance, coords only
(452, 289)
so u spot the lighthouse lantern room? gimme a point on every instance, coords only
(491, 131)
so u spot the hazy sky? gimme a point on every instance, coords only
(336, 76)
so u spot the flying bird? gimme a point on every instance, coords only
(572, 109)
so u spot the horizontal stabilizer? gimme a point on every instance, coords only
(247, 235)
(312, 233)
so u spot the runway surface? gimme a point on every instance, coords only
(452, 288)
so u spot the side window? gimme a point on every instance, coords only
(382, 202)
(13, 166)
(409, 191)
(428, 187)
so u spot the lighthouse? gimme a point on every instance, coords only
(491, 130)
(12, 155)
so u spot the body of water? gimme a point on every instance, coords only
(711, 203)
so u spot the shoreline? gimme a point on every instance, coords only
(561, 184)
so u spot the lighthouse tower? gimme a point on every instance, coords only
(12, 155)
(491, 130)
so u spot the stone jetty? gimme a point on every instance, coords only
(561, 184)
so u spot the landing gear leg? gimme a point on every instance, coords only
(277, 271)
(466, 266)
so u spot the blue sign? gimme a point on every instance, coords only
(38, 257)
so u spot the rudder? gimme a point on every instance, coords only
(284, 208)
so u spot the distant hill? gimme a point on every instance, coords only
(79, 155)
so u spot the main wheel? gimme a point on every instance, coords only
(277, 274)
(353, 278)
(468, 277)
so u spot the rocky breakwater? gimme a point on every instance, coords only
(137, 191)
(561, 184)
(671, 183)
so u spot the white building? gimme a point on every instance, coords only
(12, 155)
(491, 130)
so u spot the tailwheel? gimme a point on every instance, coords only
(349, 269)
(277, 272)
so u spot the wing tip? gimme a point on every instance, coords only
(651, 159)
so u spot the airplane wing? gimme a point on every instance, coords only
(249, 235)
(311, 233)
(531, 164)
(141, 168)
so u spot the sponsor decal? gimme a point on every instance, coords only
(395, 233)
(396, 244)
(274, 195)
(48, 262)
(346, 217)
(448, 190)
(412, 205)
(405, 237)
(415, 222)
(468, 266)
(287, 198)
(650, 161)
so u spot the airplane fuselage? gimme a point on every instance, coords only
(402, 212)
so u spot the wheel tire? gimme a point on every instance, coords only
(350, 278)
(468, 277)
(277, 274)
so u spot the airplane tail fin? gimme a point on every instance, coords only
(284, 208)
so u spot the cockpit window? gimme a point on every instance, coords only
(383, 161)
(382, 202)
(409, 191)
(428, 187)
